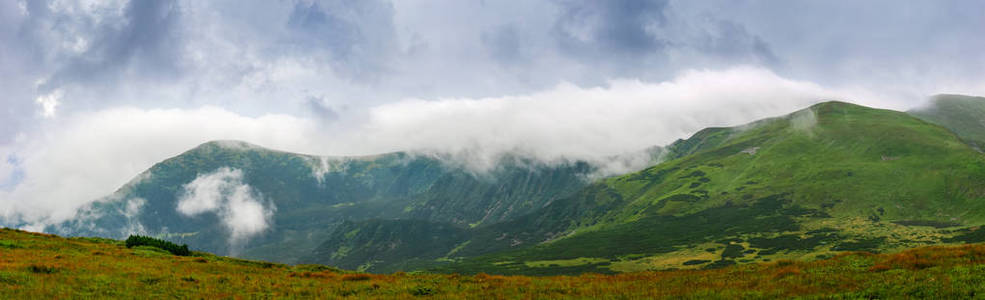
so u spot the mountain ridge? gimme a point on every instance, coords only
(312, 194)
(833, 176)
(820, 213)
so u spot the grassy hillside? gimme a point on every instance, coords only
(830, 178)
(39, 266)
(386, 245)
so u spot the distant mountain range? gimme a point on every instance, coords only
(832, 177)
(303, 199)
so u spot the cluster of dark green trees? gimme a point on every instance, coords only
(139, 240)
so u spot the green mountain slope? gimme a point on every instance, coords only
(308, 196)
(829, 178)
(385, 246)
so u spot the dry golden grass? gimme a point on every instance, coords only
(40, 266)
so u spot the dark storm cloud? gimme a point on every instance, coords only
(49, 46)
(143, 42)
(652, 39)
(611, 28)
(255, 54)
(357, 35)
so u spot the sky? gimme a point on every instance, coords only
(95, 92)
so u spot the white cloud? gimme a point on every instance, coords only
(223, 192)
(49, 103)
(206, 192)
(81, 157)
(131, 212)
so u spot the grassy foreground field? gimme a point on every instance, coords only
(40, 266)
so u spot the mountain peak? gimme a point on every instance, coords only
(228, 144)
(835, 104)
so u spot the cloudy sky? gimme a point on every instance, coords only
(95, 92)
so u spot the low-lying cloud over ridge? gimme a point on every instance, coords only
(89, 155)
(587, 123)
